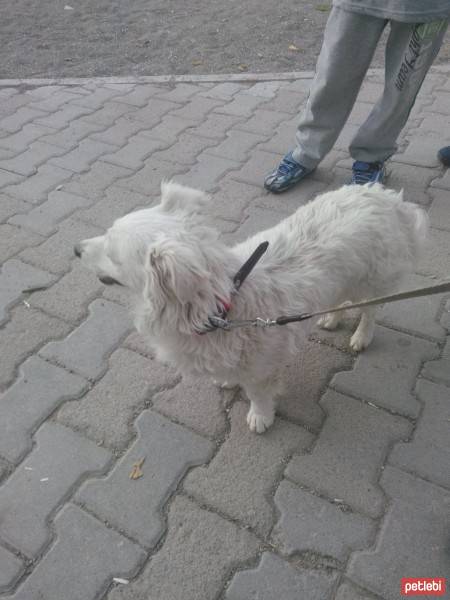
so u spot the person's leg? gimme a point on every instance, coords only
(349, 42)
(410, 51)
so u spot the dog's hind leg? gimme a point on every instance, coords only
(364, 332)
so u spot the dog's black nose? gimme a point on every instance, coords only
(77, 250)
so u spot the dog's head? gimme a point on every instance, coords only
(164, 253)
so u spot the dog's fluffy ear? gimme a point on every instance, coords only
(175, 196)
(175, 271)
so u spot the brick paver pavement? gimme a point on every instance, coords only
(346, 494)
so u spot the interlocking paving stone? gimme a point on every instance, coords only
(86, 349)
(376, 374)
(309, 523)
(439, 369)
(282, 139)
(27, 162)
(442, 182)
(109, 113)
(215, 126)
(39, 389)
(11, 206)
(197, 109)
(93, 184)
(428, 453)
(417, 316)
(118, 133)
(306, 379)
(258, 219)
(10, 568)
(20, 141)
(292, 199)
(99, 97)
(186, 149)
(348, 591)
(25, 332)
(15, 277)
(421, 150)
(134, 152)
(346, 458)
(14, 239)
(42, 482)
(230, 200)
(56, 253)
(207, 171)
(440, 210)
(106, 413)
(224, 91)
(140, 95)
(276, 578)
(179, 92)
(168, 129)
(197, 403)
(169, 450)
(35, 189)
(116, 202)
(264, 89)
(201, 548)
(69, 137)
(44, 219)
(70, 296)
(80, 159)
(237, 145)
(263, 122)
(96, 555)
(148, 179)
(242, 105)
(241, 476)
(11, 103)
(441, 104)
(63, 117)
(287, 101)
(54, 101)
(14, 122)
(413, 537)
(153, 112)
(255, 170)
(7, 178)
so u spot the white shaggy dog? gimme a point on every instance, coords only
(347, 245)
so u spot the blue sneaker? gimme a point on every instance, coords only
(444, 155)
(363, 172)
(287, 174)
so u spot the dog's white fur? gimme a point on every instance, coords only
(347, 245)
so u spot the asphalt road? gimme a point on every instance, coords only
(51, 38)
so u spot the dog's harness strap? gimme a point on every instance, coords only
(247, 267)
(284, 320)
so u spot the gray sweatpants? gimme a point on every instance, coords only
(349, 44)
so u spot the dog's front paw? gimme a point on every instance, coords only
(259, 422)
(360, 341)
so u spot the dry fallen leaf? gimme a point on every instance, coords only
(197, 61)
(293, 47)
(136, 471)
(323, 7)
(243, 67)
